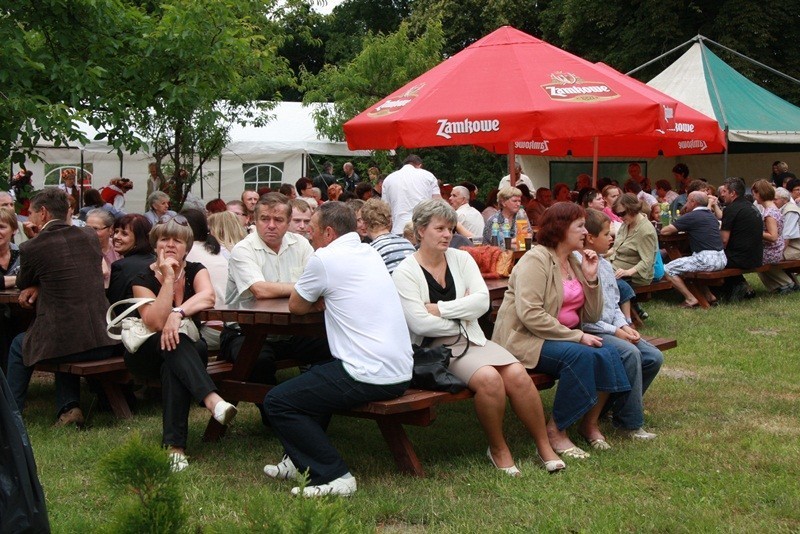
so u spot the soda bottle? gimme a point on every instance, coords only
(495, 233)
(506, 234)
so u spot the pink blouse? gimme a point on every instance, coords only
(569, 314)
(611, 215)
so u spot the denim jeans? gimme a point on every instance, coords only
(68, 387)
(582, 371)
(642, 361)
(298, 408)
(626, 292)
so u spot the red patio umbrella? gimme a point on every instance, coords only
(510, 92)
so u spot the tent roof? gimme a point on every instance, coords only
(290, 130)
(752, 114)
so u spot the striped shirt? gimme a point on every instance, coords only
(393, 249)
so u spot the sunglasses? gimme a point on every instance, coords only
(620, 213)
(178, 219)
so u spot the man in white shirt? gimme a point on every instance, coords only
(265, 265)
(369, 341)
(505, 181)
(407, 187)
(469, 218)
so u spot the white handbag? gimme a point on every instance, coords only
(133, 331)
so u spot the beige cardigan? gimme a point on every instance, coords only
(636, 248)
(529, 313)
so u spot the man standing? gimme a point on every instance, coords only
(359, 303)
(708, 253)
(250, 199)
(350, 177)
(60, 273)
(265, 265)
(742, 231)
(405, 188)
(325, 179)
(505, 181)
(468, 217)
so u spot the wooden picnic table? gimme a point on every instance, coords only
(676, 245)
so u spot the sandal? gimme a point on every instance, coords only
(551, 466)
(598, 444)
(573, 452)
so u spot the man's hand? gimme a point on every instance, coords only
(28, 296)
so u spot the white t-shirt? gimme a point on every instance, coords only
(404, 189)
(363, 318)
(253, 261)
(471, 219)
(505, 181)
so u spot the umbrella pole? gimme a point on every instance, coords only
(594, 162)
(511, 164)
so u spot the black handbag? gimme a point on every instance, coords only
(431, 367)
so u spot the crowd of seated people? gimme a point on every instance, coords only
(554, 318)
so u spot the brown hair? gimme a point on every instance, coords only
(554, 223)
(629, 203)
(377, 214)
(9, 216)
(595, 221)
(764, 189)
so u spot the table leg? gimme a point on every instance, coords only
(696, 287)
(401, 447)
(116, 399)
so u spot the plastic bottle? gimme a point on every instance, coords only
(666, 217)
(521, 221)
(495, 233)
(506, 234)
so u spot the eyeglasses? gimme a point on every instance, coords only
(178, 219)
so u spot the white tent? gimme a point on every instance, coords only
(272, 154)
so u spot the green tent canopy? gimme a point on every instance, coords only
(748, 112)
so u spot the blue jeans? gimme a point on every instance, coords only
(626, 292)
(642, 362)
(298, 408)
(582, 371)
(68, 387)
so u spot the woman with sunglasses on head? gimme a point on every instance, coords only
(180, 289)
(549, 294)
(443, 295)
(130, 240)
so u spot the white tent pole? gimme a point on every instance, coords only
(751, 60)
(640, 67)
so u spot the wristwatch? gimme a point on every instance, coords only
(179, 310)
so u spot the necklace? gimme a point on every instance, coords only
(566, 270)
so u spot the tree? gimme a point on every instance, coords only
(385, 63)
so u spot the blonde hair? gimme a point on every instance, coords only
(226, 229)
(174, 229)
(506, 193)
(9, 216)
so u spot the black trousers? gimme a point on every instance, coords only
(183, 378)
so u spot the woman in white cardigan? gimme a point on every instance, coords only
(443, 295)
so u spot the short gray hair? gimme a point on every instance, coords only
(461, 190)
(429, 209)
(103, 215)
(156, 196)
(700, 197)
(508, 192)
(783, 193)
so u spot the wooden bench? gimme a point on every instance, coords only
(419, 408)
(697, 280)
(112, 374)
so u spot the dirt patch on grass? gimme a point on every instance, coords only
(398, 527)
(778, 425)
(679, 374)
(764, 332)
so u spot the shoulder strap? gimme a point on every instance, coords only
(113, 322)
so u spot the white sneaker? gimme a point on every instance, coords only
(224, 412)
(641, 433)
(177, 462)
(283, 470)
(344, 486)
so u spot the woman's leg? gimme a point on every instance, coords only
(527, 404)
(589, 427)
(490, 405)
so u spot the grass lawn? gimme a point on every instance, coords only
(725, 408)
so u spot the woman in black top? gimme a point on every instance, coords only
(180, 289)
